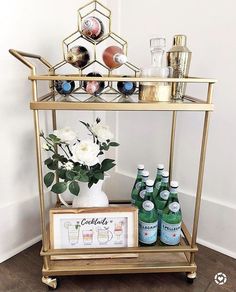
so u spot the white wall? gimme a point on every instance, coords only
(39, 27)
(210, 28)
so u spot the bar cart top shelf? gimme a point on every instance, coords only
(188, 103)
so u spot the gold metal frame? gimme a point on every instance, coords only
(91, 9)
(150, 259)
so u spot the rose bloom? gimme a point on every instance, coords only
(65, 134)
(86, 153)
(102, 132)
(69, 165)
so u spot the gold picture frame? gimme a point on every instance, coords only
(110, 227)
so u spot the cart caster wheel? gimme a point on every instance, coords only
(52, 283)
(190, 277)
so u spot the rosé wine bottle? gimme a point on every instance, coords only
(93, 27)
(94, 87)
(78, 56)
(114, 57)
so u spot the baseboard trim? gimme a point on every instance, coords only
(216, 248)
(20, 248)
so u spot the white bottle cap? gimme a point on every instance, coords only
(145, 173)
(150, 182)
(165, 173)
(174, 184)
(140, 166)
(120, 58)
(160, 166)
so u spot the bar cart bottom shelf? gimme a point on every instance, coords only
(142, 263)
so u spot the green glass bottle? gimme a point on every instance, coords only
(140, 198)
(171, 218)
(148, 218)
(157, 183)
(137, 184)
(162, 197)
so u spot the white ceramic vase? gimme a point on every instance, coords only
(90, 197)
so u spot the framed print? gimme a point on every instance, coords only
(94, 227)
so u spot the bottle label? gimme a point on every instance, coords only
(157, 185)
(148, 205)
(142, 194)
(174, 207)
(138, 185)
(147, 232)
(164, 195)
(170, 233)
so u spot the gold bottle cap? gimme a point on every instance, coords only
(180, 40)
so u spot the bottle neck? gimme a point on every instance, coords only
(173, 196)
(165, 181)
(139, 175)
(159, 174)
(157, 58)
(144, 179)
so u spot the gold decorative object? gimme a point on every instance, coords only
(95, 8)
(179, 58)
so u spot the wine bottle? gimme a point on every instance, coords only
(126, 87)
(93, 27)
(64, 87)
(94, 87)
(78, 56)
(114, 57)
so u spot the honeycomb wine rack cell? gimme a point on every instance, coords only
(95, 49)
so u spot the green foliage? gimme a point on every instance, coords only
(59, 187)
(49, 178)
(74, 188)
(69, 173)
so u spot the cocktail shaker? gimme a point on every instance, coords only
(179, 57)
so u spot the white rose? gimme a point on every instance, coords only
(65, 134)
(86, 153)
(69, 165)
(102, 132)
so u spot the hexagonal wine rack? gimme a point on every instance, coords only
(95, 47)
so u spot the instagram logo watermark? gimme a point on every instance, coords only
(220, 278)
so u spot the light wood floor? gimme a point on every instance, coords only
(22, 273)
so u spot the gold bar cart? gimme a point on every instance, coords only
(149, 259)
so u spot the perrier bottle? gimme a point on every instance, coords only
(171, 218)
(162, 197)
(148, 218)
(141, 194)
(157, 183)
(137, 184)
